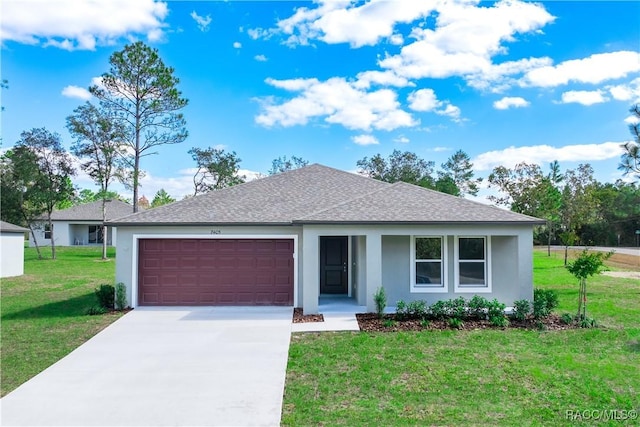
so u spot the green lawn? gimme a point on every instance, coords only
(43, 312)
(512, 377)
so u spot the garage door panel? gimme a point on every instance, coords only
(215, 272)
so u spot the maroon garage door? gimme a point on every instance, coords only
(215, 272)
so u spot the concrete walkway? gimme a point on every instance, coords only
(339, 314)
(211, 366)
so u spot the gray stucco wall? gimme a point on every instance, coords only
(12, 254)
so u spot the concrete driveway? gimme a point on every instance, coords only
(211, 366)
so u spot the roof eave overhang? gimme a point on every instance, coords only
(197, 224)
(318, 222)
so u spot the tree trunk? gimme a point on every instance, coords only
(566, 254)
(53, 240)
(549, 240)
(35, 241)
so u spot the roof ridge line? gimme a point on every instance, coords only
(344, 202)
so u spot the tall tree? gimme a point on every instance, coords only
(41, 170)
(142, 93)
(215, 169)
(522, 188)
(161, 198)
(100, 146)
(630, 160)
(283, 164)
(405, 167)
(460, 169)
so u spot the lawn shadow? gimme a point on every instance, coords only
(634, 346)
(72, 307)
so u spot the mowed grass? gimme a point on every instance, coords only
(42, 315)
(494, 377)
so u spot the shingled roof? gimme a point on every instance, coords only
(319, 194)
(7, 227)
(93, 211)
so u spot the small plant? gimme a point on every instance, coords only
(417, 309)
(401, 310)
(499, 321)
(425, 323)
(495, 309)
(587, 322)
(96, 310)
(540, 325)
(478, 307)
(586, 265)
(380, 299)
(566, 318)
(544, 301)
(388, 323)
(106, 296)
(521, 309)
(456, 323)
(121, 296)
(438, 310)
(457, 308)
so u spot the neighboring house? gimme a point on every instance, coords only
(11, 249)
(80, 225)
(288, 238)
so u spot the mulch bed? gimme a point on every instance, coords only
(300, 317)
(370, 322)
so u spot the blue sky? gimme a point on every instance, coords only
(336, 81)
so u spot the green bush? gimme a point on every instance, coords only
(380, 298)
(401, 310)
(121, 296)
(106, 296)
(566, 318)
(495, 309)
(456, 323)
(417, 309)
(499, 321)
(457, 308)
(438, 310)
(96, 310)
(544, 301)
(425, 323)
(388, 323)
(478, 307)
(521, 309)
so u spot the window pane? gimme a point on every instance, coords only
(428, 273)
(428, 248)
(472, 273)
(471, 247)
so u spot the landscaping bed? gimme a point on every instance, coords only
(300, 317)
(370, 322)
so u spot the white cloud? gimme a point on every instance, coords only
(80, 25)
(626, 92)
(202, 21)
(509, 102)
(594, 69)
(260, 58)
(465, 39)
(584, 97)
(383, 78)
(440, 149)
(631, 120)
(541, 154)
(365, 140)
(402, 140)
(237, 45)
(338, 102)
(76, 92)
(426, 100)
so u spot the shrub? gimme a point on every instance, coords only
(380, 298)
(425, 323)
(388, 323)
(438, 310)
(456, 323)
(417, 309)
(478, 307)
(521, 309)
(566, 318)
(544, 301)
(121, 296)
(401, 310)
(457, 308)
(96, 310)
(587, 322)
(495, 308)
(106, 296)
(499, 321)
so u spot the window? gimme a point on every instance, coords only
(472, 264)
(428, 267)
(95, 234)
(47, 231)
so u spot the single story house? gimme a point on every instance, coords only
(80, 225)
(288, 238)
(11, 249)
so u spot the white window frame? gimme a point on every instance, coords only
(486, 288)
(444, 286)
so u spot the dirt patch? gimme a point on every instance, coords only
(631, 262)
(623, 274)
(370, 322)
(300, 317)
